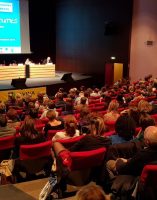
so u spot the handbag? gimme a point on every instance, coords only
(6, 168)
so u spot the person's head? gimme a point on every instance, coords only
(145, 121)
(70, 125)
(91, 192)
(3, 120)
(150, 136)
(97, 126)
(83, 100)
(12, 114)
(51, 105)
(144, 106)
(28, 128)
(113, 105)
(125, 127)
(33, 113)
(2, 108)
(51, 115)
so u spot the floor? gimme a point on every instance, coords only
(27, 190)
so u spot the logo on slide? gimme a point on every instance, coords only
(6, 7)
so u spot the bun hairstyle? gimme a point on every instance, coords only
(70, 125)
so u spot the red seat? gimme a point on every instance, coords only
(97, 108)
(147, 187)
(51, 133)
(99, 104)
(44, 120)
(7, 142)
(110, 125)
(109, 133)
(154, 117)
(6, 145)
(69, 142)
(87, 159)
(83, 164)
(35, 151)
(34, 158)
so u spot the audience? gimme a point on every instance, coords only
(70, 129)
(5, 130)
(53, 123)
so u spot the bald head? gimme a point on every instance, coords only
(150, 135)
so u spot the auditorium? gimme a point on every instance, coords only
(78, 100)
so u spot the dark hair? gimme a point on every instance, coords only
(125, 127)
(33, 113)
(145, 121)
(3, 120)
(83, 100)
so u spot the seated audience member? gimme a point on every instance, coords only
(112, 112)
(91, 192)
(5, 130)
(134, 165)
(60, 103)
(145, 121)
(144, 106)
(13, 120)
(92, 141)
(19, 102)
(53, 123)
(82, 105)
(2, 108)
(70, 129)
(28, 135)
(69, 108)
(124, 128)
(50, 106)
(84, 120)
(33, 113)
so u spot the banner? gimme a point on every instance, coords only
(33, 91)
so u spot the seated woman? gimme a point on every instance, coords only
(112, 112)
(13, 119)
(125, 129)
(28, 135)
(5, 130)
(92, 141)
(53, 123)
(70, 129)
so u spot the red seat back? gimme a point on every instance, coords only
(7, 142)
(35, 151)
(110, 125)
(87, 159)
(51, 133)
(69, 142)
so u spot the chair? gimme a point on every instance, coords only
(97, 108)
(33, 159)
(86, 166)
(154, 117)
(6, 146)
(67, 143)
(147, 187)
(110, 125)
(51, 133)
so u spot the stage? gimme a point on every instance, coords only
(50, 83)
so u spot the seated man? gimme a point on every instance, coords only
(5, 130)
(134, 166)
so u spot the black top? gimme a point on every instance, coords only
(135, 165)
(90, 143)
(49, 127)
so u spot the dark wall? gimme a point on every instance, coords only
(89, 32)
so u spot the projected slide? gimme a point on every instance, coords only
(10, 41)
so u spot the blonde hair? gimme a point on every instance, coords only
(97, 126)
(113, 106)
(91, 192)
(144, 106)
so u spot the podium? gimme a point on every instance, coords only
(113, 72)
